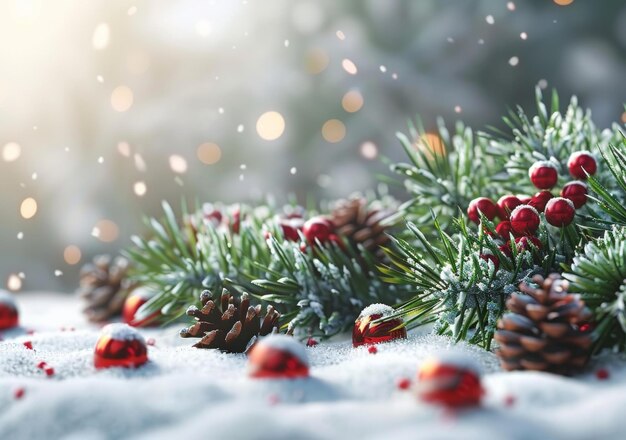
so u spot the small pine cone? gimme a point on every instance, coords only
(542, 331)
(230, 324)
(361, 224)
(104, 286)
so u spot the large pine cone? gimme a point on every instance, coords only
(229, 325)
(361, 224)
(543, 331)
(104, 286)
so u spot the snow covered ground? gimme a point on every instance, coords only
(189, 393)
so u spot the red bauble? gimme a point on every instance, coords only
(453, 383)
(506, 204)
(503, 229)
(235, 224)
(278, 357)
(484, 205)
(120, 345)
(560, 212)
(318, 228)
(365, 331)
(134, 301)
(492, 258)
(212, 214)
(525, 220)
(580, 162)
(290, 228)
(543, 174)
(9, 316)
(524, 243)
(506, 249)
(539, 200)
(576, 192)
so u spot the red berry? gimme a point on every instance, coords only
(492, 258)
(543, 174)
(539, 200)
(560, 212)
(580, 162)
(404, 383)
(525, 220)
(504, 229)
(318, 228)
(41, 365)
(576, 192)
(506, 204)
(524, 243)
(311, 342)
(509, 400)
(49, 371)
(19, 392)
(484, 205)
(372, 349)
(602, 374)
(506, 249)
(28, 344)
(290, 229)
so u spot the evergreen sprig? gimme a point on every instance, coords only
(598, 273)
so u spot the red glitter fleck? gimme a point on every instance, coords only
(372, 349)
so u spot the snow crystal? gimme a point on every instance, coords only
(121, 332)
(520, 207)
(376, 309)
(287, 344)
(7, 298)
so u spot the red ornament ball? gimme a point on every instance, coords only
(539, 200)
(120, 345)
(580, 162)
(366, 331)
(484, 205)
(449, 382)
(290, 228)
(278, 357)
(543, 174)
(503, 229)
(560, 212)
(525, 220)
(318, 229)
(9, 316)
(133, 303)
(506, 204)
(575, 191)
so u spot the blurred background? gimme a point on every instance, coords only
(106, 108)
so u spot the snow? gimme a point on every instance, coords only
(121, 332)
(377, 309)
(351, 393)
(7, 298)
(286, 344)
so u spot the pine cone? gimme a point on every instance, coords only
(230, 325)
(355, 220)
(542, 332)
(104, 286)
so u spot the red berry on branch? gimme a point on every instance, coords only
(582, 163)
(506, 204)
(503, 229)
(525, 220)
(492, 258)
(290, 229)
(539, 200)
(543, 174)
(524, 243)
(576, 192)
(560, 212)
(484, 205)
(318, 228)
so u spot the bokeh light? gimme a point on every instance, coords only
(349, 66)
(178, 164)
(122, 99)
(209, 153)
(72, 254)
(101, 36)
(270, 125)
(11, 151)
(28, 208)
(333, 130)
(106, 230)
(352, 101)
(316, 61)
(369, 150)
(14, 282)
(563, 2)
(431, 145)
(140, 188)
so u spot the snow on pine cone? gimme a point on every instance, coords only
(361, 224)
(545, 329)
(104, 286)
(229, 324)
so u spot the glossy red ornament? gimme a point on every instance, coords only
(365, 331)
(492, 258)
(575, 191)
(506, 204)
(580, 162)
(484, 205)
(525, 220)
(290, 228)
(560, 212)
(9, 316)
(543, 174)
(120, 345)
(524, 243)
(449, 382)
(539, 200)
(278, 357)
(503, 229)
(318, 229)
(137, 298)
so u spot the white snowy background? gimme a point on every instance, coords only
(190, 393)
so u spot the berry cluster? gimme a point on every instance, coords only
(520, 215)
